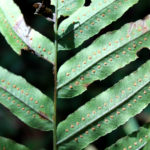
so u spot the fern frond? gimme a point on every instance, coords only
(20, 36)
(88, 21)
(7, 144)
(68, 7)
(25, 101)
(135, 141)
(107, 54)
(107, 111)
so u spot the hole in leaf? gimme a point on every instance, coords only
(87, 3)
(99, 86)
(61, 19)
(144, 54)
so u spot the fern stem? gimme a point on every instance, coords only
(55, 78)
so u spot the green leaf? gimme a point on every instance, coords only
(88, 21)
(107, 54)
(147, 146)
(19, 35)
(68, 7)
(135, 141)
(106, 112)
(26, 102)
(91, 147)
(131, 126)
(7, 144)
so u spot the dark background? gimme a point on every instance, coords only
(38, 72)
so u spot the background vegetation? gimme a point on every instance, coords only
(39, 73)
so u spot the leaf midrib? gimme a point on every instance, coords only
(92, 64)
(86, 20)
(142, 146)
(104, 114)
(50, 120)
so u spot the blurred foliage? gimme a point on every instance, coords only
(91, 147)
(39, 73)
(131, 126)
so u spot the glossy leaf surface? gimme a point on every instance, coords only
(135, 141)
(6, 144)
(88, 21)
(107, 111)
(68, 7)
(107, 54)
(25, 101)
(19, 35)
